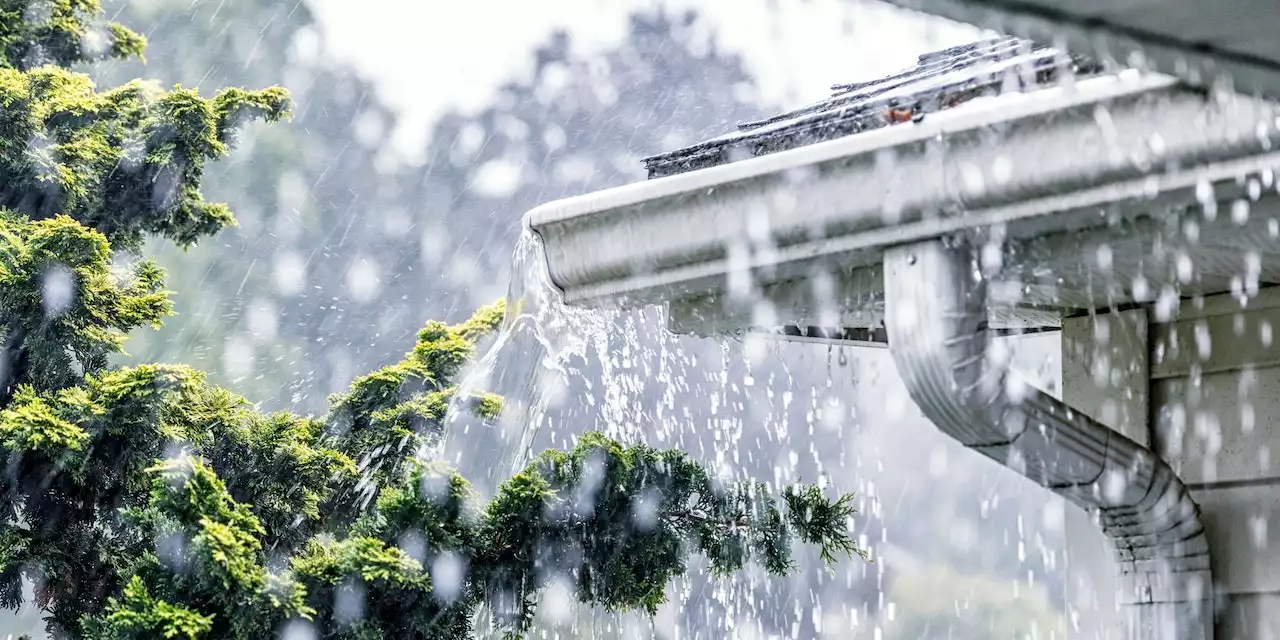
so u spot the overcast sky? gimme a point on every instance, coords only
(428, 55)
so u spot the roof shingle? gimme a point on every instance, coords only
(939, 80)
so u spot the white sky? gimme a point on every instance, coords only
(428, 55)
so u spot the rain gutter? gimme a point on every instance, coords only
(912, 200)
(1034, 163)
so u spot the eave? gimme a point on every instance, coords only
(1121, 162)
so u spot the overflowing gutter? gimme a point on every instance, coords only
(929, 235)
(1027, 166)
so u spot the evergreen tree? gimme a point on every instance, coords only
(146, 502)
(312, 201)
(318, 209)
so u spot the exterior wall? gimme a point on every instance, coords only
(1216, 396)
(1104, 375)
(1204, 392)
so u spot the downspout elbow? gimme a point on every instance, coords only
(935, 313)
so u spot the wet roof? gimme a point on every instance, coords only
(1229, 43)
(940, 80)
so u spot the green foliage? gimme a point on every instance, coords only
(29, 424)
(139, 615)
(63, 305)
(125, 162)
(621, 522)
(146, 502)
(61, 32)
(817, 520)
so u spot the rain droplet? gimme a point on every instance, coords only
(1240, 211)
(644, 511)
(1156, 143)
(1184, 268)
(58, 289)
(1204, 195)
(447, 576)
(1141, 289)
(973, 180)
(1166, 304)
(1104, 257)
(1002, 169)
(1191, 230)
(1258, 527)
(363, 280)
(1204, 344)
(1113, 486)
(298, 630)
(992, 256)
(557, 601)
(289, 273)
(348, 603)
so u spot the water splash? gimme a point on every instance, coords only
(527, 363)
(771, 411)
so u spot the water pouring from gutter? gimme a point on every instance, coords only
(562, 370)
(1120, 161)
(531, 356)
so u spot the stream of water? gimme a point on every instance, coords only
(747, 408)
(531, 358)
(733, 404)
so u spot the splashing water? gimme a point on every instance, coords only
(525, 363)
(563, 370)
(770, 411)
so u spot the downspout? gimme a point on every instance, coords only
(935, 308)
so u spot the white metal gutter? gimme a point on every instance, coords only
(1055, 170)
(1030, 163)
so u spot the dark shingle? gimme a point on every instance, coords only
(940, 80)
